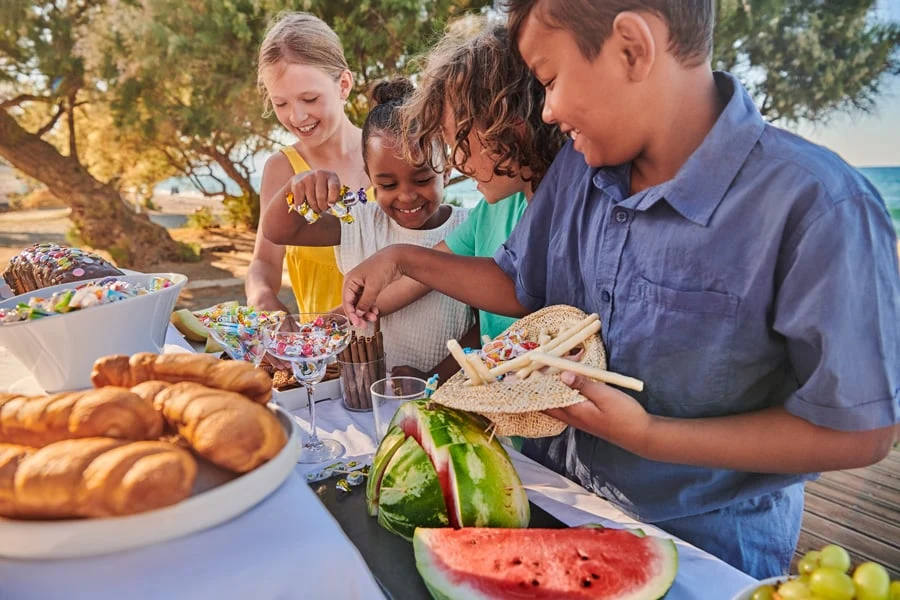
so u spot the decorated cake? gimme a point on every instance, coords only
(46, 264)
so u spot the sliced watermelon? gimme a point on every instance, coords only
(488, 563)
(386, 450)
(410, 493)
(478, 483)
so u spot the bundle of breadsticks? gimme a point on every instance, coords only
(515, 377)
(126, 447)
(362, 364)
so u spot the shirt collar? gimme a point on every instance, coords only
(700, 185)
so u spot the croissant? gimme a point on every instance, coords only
(223, 427)
(111, 412)
(232, 375)
(92, 477)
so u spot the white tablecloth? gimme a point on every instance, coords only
(289, 546)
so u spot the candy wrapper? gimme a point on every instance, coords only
(511, 345)
(340, 209)
(238, 329)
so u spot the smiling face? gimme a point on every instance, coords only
(410, 196)
(480, 164)
(592, 101)
(308, 101)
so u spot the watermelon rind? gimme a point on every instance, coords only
(386, 449)
(487, 491)
(410, 494)
(444, 584)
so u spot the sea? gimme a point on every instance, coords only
(885, 179)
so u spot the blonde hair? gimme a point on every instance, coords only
(299, 38)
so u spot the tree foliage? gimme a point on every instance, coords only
(807, 59)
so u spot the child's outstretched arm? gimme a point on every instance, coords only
(404, 291)
(765, 441)
(478, 282)
(320, 190)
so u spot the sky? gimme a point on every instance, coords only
(866, 140)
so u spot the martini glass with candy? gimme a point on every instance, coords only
(308, 342)
(237, 330)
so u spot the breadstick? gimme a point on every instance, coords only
(460, 356)
(481, 368)
(544, 337)
(524, 360)
(561, 349)
(486, 339)
(622, 381)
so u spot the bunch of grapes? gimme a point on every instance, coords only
(825, 575)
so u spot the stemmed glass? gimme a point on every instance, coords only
(308, 342)
(239, 341)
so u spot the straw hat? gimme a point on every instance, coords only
(514, 405)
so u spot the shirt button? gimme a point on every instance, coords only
(605, 296)
(621, 216)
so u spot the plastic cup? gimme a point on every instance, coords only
(356, 383)
(387, 396)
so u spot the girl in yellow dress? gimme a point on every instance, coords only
(304, 77)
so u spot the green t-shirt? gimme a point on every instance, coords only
(487, 227)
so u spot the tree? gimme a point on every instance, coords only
(43, 78)
(806, 59)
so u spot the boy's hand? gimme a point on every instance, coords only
(606, 412)
(363, 284)
(319, 189)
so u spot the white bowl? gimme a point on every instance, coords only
(60, 351)
(745, 593)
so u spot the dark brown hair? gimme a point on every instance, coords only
(387, 96)
(489, 91)
(690, 22)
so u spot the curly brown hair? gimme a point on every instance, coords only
(490, 92)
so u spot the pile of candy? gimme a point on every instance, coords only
(321, 338)
(238, 328)
(105, 291)
(356, 473)
(505, 348)
(340, 209)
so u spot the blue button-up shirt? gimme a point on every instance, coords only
(764, 274)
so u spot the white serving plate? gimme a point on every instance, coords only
(218, 496)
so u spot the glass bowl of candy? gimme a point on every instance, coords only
(58, 332)
(827, 574)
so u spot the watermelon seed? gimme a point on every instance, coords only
(586, 583)
(594, 576)
(535, 582)
(517, 561)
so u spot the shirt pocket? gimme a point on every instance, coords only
(683, 349)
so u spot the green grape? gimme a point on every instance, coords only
(794, 590)
(894, 590)
(834, 557)
(831, 584)
(808, 563)
(872, 582)
(763, 592)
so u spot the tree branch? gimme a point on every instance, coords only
(59, 112)
(21, 99)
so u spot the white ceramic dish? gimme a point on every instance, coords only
(59, 351)
(218, 496)
(745, 593)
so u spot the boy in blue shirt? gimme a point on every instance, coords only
(748, 277)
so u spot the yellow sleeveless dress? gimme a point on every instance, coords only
(314, 274)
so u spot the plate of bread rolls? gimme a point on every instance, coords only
(164, 445)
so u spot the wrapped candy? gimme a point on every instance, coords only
(340, 209)
(508, 347)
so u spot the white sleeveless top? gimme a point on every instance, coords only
(417, 334)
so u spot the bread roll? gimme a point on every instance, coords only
(109, 412)
(232, 375)
(93, 477)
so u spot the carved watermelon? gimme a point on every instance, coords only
(485, 563)
(437, 467)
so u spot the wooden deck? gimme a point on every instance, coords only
(857, 509)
